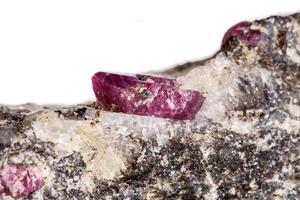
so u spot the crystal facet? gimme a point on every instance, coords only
(243, 32)
(19, 180)
(145, 95)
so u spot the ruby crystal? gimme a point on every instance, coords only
(244, 33)
(19, 180)
(145, 95)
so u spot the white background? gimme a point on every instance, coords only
(50, 49)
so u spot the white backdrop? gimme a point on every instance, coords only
(50, 49)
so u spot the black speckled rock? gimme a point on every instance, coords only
(244, 143)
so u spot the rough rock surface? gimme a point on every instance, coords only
(243, 144)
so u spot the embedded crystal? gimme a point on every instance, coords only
(243, 32)
(19, 180)
(145, 95)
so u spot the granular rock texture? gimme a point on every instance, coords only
(244, 143)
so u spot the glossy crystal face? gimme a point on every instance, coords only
(145, 95)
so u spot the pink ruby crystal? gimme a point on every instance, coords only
(145, 95)
(19, 180)
(243, 32)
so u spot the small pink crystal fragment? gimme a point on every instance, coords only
(19, 180)
(145, 95)
(243, 32)
(1, 188)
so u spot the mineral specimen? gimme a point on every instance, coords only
(244, 143)
(145, 95)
